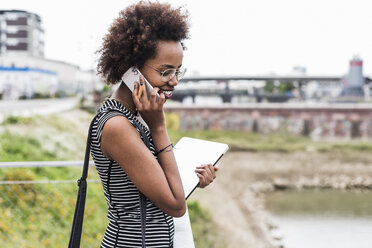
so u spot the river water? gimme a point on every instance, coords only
(313, 218)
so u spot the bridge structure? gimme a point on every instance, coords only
(227, 92)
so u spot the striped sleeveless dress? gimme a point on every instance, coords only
(122, 196)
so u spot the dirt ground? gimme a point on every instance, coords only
(235, 198)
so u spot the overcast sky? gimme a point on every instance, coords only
(232, 37)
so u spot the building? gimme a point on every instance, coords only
(351, 87)
(26, 82)
(354, 81)
(21, 32)
(25, 72)
(25, 76)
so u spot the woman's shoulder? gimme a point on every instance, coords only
(116, 118)
(117, 123)
(111, 106)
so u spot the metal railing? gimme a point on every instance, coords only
(43, 164)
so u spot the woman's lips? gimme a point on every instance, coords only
(167, 93)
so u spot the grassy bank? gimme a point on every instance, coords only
(254, 142)
(320, 202)
(345, 151)
(40, 215)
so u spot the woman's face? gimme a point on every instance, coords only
(169, 56)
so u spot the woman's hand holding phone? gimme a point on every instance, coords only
(151, 111)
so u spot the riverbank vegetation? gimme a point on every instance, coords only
(255, 142)
(320, 202)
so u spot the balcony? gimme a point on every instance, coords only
(21, 21)
(18, 34)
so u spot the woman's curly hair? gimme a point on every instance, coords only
(134, 35)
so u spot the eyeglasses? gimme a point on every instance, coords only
(168, 74)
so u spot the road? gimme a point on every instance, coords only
(38, 106)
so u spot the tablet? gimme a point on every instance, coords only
(191, 152)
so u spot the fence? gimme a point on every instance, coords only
(37, 201)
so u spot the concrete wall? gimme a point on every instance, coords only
(320, 121)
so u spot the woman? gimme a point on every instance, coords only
(148, 36)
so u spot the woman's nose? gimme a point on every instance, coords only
(173, 81)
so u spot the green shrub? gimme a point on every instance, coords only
(204, 229)
(12, 120)
(14, 147)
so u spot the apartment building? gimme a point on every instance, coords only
(21, 32)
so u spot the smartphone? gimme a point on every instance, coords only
(131, 76)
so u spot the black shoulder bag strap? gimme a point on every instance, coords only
(142, 196)
(77, 223)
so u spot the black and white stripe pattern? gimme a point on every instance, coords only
(124, 229)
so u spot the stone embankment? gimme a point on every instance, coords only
(317, 182)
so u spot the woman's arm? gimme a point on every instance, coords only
(159, 181)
